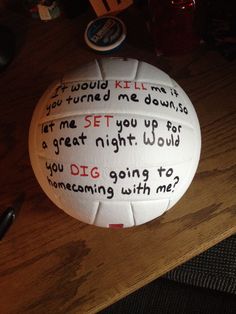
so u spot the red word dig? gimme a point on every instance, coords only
(84, 171)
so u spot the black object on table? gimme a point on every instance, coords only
(7, 46)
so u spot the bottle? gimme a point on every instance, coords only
(173, 26)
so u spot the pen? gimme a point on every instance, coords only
(6, 219)
(9, 214)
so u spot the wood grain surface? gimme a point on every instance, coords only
(51, 263)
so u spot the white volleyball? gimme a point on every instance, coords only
(115, 143)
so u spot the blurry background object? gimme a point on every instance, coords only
(220, 32)
(105, 7)
(7, 46)
(73, 8)
(173, 25)
(45, 10)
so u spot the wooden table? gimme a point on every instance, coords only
(51, 263)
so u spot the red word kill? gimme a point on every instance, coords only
(96, 121)
(84, 171)
(129, 84)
